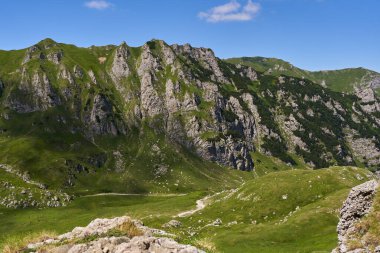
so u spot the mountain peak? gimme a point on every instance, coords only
(47, 43)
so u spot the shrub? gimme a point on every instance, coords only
(128, 228)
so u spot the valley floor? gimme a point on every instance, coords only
(285, 211)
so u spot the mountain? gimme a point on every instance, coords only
(344, 80)
(168, 118)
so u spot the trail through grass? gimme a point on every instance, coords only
(284, 211)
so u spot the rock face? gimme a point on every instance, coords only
(144, 242)
(220, 111)
(357, 205)
(100, 118)
(35, 93)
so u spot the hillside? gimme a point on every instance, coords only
(160, 118)
(343, 80)
(256, 216)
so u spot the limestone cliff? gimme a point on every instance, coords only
(221, 111)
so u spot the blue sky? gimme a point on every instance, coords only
(311, 34)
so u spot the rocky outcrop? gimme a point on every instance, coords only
(92, 76)
(55, 57)
(120, 68)
(35, 93)
(33, 52)
(78, 72)
(356, 206)
(375, 82)
(23, 192)
(154, 103)
(139, 244)
(100, 118)
(95, 235)
(369, 102)
(365, 149)
(204, 56)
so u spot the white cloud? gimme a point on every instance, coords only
(232, 11)
(98, 4)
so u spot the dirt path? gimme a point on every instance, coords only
(201, 204)
(135, 194)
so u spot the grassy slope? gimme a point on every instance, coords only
(318, 194)
(17, 188)
(343, 80)
(44, 159)
(19, 223)
(279, 228)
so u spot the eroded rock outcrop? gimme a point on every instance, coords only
(35, 93)
(356, 206)
(120, 68)
(137, 238)
(100, 119)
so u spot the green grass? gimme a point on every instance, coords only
(265, 164)
(318, 195)
(310, 230)
(82, 210)
(343, 80)
(279, 225)
(27, 146)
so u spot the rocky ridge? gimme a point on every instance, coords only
(221, 111)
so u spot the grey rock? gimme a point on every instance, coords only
(140, 244)
(100, 118)
(92, 76)
(32, 52)
(357, 204)
(55, 57)
(206, 57)
(99, 227)
(217, 222)
(151, 104)
(38, 94)
(78, 72)
(66, 75)
(364, 148)
(172, 224)
(120, 68)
